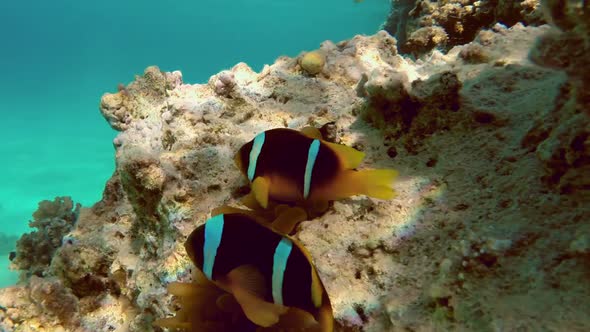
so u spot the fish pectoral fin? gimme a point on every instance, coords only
(261, 187)
(311, 132)
(299, 320)
(227, 303)
(172, 323)
(257, 310)
(201, 279)
(350, 157)
(248, 277)
(287, 218)
(247, 286)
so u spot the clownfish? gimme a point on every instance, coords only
(299, 166)
(270, 275)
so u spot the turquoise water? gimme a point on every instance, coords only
(58, 57)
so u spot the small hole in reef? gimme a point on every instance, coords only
(443, 301)
(213, 187)
(392, 152)
(240, 191)
(361, 312)
(359, 146)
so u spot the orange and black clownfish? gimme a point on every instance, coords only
(270, 275)
(292, 166)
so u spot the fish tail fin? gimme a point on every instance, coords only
(376, 183)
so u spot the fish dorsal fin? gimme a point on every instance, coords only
(261, 187)
(247, 286)
(258, 216)
(350, 157)
(287, 218)
(311, 132)
(325, 315)
(224, 209)
(317, 289)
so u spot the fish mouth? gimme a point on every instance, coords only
(189, 245)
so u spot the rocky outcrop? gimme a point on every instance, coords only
(477, 238)
(422, 25)
(561, 138)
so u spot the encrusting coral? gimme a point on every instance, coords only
(488, 229)
(312, 62)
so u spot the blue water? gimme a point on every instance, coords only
(58, 57)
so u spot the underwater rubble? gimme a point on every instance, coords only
(488, 232)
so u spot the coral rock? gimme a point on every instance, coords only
(481, 143)
(55, 300)
(424, 40)
(53, 220)
(422, 25)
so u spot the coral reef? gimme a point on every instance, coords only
(53, 220)
(223, 84)
(561, 137)
(488, 231)
(423, 25)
